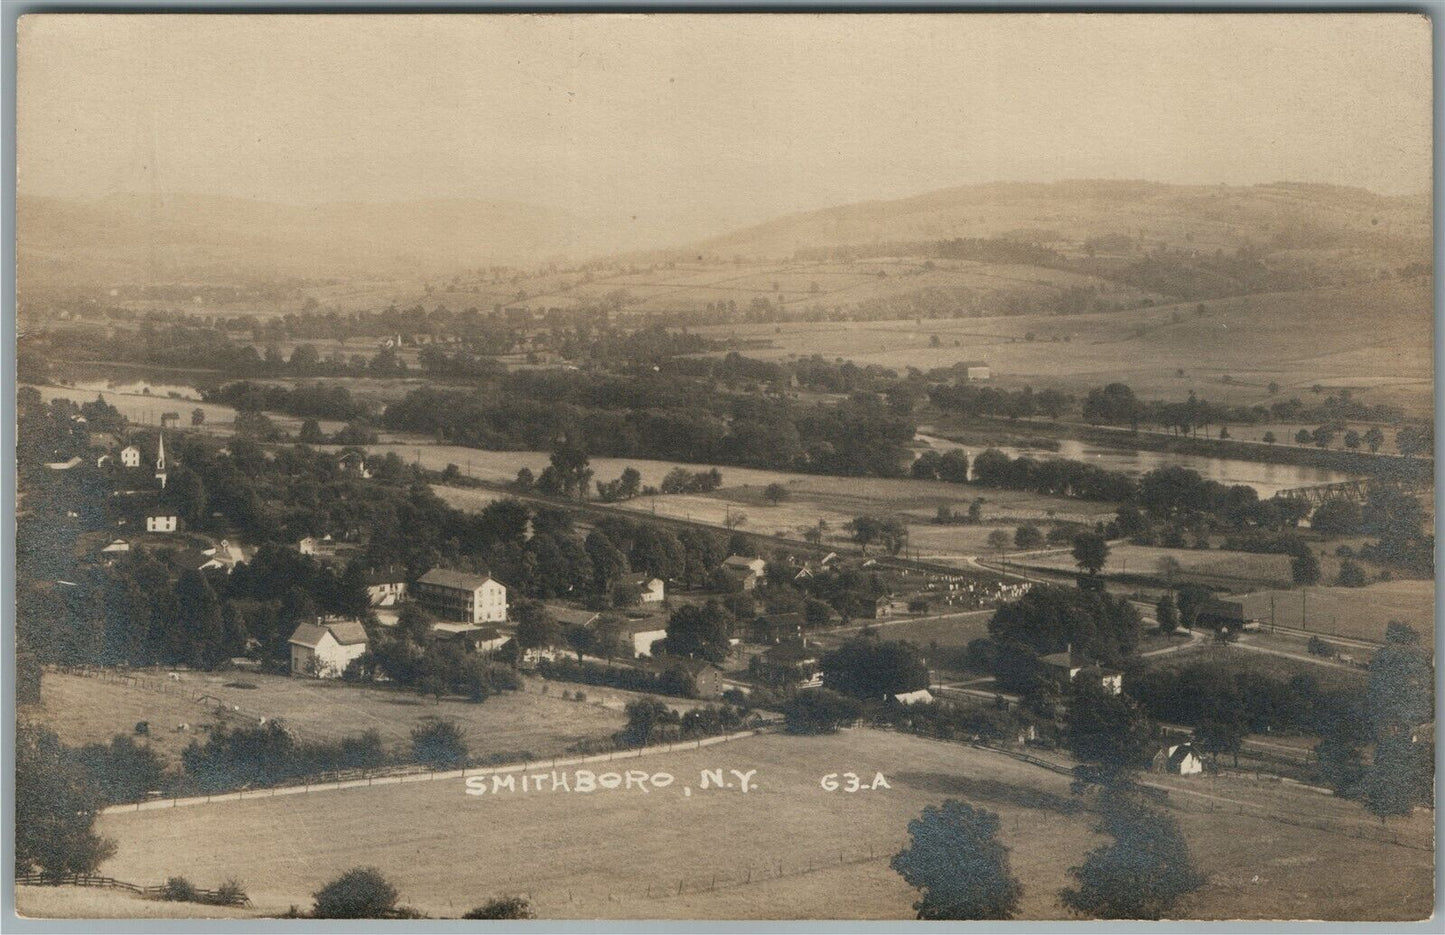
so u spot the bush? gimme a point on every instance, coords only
(504, 907)
(820, 711)
(1352, 575)
(179, 890)
(438, 744)
(359, 893)
(230, 893)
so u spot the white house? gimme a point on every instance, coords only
(653, 590)
(456, 595)
(353, 462)
(162, 521)
(747, 570)
(385, 588)
(325, 648)
(116, 546)
(130, 456)
(1179, 759)
(641, 634)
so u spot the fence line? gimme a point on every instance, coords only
(210, 897)
(395, 775)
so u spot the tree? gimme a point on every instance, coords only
(1303, 437)
(1269, 438)
(955, 859)
(359, 893)
(1323, 435)
(198, 416)
(1222, 731)
(503, 907)
(887, 531)
(1167, 614)
(775, 493)
(310, 433)
(820, 711)
(1351, 575)
(55, 808)
(1337, 518)
(1108, 734)
(1305, 568)
(1374, 438)
(581, 639)
(699, 632)
(536, 627)
(873, 669)
(1352, 439)
(999, 540)
(1142, 874)
(438, 744)
(1091, 551)
(1028, 536)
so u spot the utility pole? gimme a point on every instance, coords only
(1271, 614)
(1304, 620)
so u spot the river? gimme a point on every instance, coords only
(1267, 479)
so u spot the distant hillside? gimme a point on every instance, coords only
(1119, 216)
(130, 238)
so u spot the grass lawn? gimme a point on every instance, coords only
(1283, 668)
(629, 854)
(1206, 566)
(1362, 613)
(85, 710)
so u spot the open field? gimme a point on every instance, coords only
(1241, 658)
(1361, 613)
(86, 902)
(88, 710)
(596, 856)
(1207, 566)
(811, 497)
(1252, 339)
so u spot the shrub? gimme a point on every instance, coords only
(438, 744)
(504, 907)
(359, 893)
(230, 893)
(179, 890)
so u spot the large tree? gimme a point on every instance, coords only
(955, 859)
(699, 632)
(1142, 874)
(55, 808)
(868, 668)
(1091, 551)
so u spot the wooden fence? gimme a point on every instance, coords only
(208, 897)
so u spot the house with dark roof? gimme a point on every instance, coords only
(325, 648)
(1068, 667)
(1180, 759)
(748, 571)
(704, 677)
(792, 663)
(1221, 615)
(459, 595)
(651, 589)
(471, 638)
(385, 588)
(772, 629)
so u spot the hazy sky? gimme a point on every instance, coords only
(707, 122)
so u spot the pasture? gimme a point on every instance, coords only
(1253, 340)
(1236, 570)
(1360, 613)
(84, 709)
(787, 849)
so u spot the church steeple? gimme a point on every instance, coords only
(161, 461)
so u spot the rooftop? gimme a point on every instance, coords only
(447, 578)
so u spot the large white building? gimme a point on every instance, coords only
(325, 648)
(456, 595)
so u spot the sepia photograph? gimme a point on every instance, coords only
(758, 467)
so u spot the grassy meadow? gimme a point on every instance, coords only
(657, 854)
